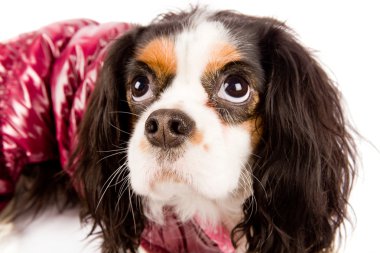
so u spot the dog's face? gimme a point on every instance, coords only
(194, 94)
(218, 115)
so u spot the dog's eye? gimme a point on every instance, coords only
(141, 88)
(234, 89)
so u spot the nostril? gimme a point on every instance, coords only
(178, 127)
(151, 126)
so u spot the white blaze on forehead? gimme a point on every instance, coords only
(193, 48)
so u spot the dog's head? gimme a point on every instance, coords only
(193, 90)
(216, 115)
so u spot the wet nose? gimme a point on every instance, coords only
(168, 128)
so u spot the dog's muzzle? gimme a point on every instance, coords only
(168, 128)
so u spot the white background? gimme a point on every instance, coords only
(344, 36)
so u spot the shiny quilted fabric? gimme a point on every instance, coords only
(45, 80)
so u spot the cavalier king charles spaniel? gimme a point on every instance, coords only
(219, 117)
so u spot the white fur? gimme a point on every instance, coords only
(212, 176)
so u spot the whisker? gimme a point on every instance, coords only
(130, 203)
(119, 129)
(123, 180)
(252, 201)
(245, 175)
(108, 183)
(124, 112)
(260, 183)
(255, 178)
(262, 186)
(125, 170)
(123, 144)
(108, 156)
(112, 150)
(123, 189)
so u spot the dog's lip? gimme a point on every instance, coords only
(165, 158)
(167, 175)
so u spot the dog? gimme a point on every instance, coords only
(221, 118)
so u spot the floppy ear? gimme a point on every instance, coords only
(305, 161)
(99, 159)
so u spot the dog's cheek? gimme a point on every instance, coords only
(139, 158)
(254, 128)
(216, 159)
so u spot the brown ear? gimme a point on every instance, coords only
(100, 170)
(306, 156)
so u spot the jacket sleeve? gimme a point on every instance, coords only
(73, 79)
(27, 132)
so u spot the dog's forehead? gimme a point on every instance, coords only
(201, 46)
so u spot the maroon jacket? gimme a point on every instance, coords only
(46, 78)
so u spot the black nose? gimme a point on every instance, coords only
(168, 128)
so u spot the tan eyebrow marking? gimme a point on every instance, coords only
(221, 55)
(159, 55)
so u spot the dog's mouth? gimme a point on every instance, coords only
(166, 157)
(169, 167)
(166, 164)
(168, 176)
(168, 188)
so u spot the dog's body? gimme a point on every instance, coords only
(216, 119)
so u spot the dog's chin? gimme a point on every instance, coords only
(169, 189)
(182, 200)
(166, 191)
(177, 180)
(166, 185)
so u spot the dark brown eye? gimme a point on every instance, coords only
(141, 89)
(234, 89)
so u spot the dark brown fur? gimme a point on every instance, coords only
(41, 185)
(304, 160)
